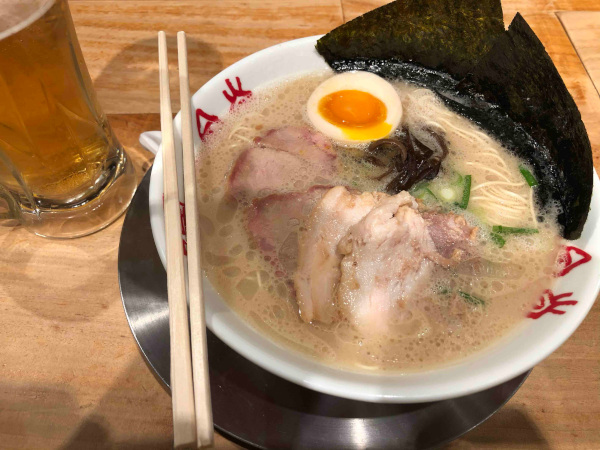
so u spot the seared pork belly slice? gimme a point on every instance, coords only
(281, 155)
(385, 257)
(452, 236)
(274, 222)
(363, 256)
(302, 141)
(319, 261)
(261, 170)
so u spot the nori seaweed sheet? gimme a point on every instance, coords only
(515, 93)
(518, 76)
(430, 33)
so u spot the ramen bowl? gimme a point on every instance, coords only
(547, 326)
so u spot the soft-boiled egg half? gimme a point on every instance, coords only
(355, 107)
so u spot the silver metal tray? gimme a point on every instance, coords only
(257, 409)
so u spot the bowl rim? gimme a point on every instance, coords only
(302, 370)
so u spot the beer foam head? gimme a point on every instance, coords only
(18, 14)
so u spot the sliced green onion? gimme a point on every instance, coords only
(498, 240)
(458, 179)
(471, 299)
(466, 193)
(511, 230)
(531, 181)
(423, 192)
(448, 194)
(428, 192)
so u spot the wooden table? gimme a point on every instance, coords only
(71, 375)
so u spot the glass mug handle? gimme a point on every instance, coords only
(12, 210)
(9, 206)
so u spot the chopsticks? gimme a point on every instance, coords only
(190, 387)
(204, 420)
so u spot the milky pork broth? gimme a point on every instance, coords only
(365, 276)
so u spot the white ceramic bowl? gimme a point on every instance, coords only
(510, 357)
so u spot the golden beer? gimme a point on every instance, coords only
(57, 150)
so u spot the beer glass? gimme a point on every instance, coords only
(63, 173)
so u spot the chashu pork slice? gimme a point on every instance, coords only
(319, 261)
(274, 222)
(452, 235)
(386, 257)
(279, 156)
(301, 141)
(363, 256)
(260, 171)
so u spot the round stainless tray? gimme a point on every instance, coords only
(257, 409)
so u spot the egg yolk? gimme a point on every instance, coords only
(352, 109)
